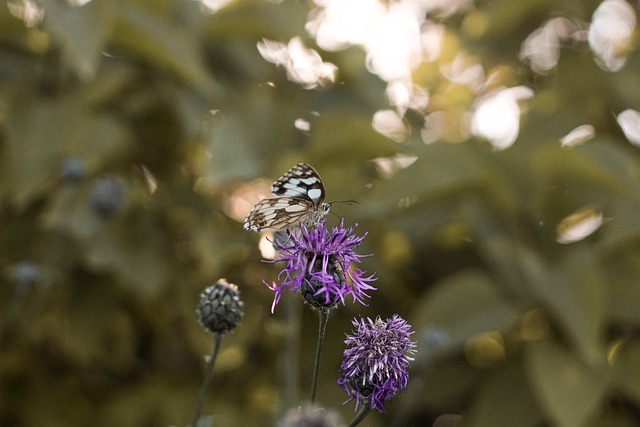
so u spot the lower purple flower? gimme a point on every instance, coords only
(376, 362)
(319, 264)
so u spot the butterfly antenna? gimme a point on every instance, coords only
(349, 202)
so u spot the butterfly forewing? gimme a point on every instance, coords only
(298, 199)
(300, 181)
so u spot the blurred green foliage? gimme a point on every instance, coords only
(126, 130)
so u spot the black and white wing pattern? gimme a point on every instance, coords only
(298, 199)
(301, 181)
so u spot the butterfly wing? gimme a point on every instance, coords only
(301, 181)
(298, 196)
(278, 213)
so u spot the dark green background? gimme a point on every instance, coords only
(514, 329)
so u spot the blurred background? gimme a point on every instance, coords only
(492, 147)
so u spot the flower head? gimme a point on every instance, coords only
(376, 360)
(319, 264)
(220, 307)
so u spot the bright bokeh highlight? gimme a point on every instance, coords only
(611, 33)
(579, 225)
(578, 136)
(497, 116)
(303, 65)
(629, 121)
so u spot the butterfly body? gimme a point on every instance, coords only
(298, 199)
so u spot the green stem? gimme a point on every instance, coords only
(291, 353)
(324, 318)
(362, 413)
(207, 379)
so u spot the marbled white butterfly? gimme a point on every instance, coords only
(298, 196)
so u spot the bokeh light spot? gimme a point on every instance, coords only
(303, 65)
(497, 116)
(579, 225)
(611, 33)
(578, 136)
(629, 121)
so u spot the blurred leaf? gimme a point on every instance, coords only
(100, 330)
(568, 180)
(464, 305)
(114, 79)
(106, 140)
(505, 399)
(347, 134)
(441, 171)
(508, 255)
(447, 381)
(134, 251)
(623, 227)
(158, 400)
(12, 29)
(42, 132)
(615, 159)
(233, 156)
(572, 286)
(249, 135)
(254, 19)
(69, 210)
(334, 176)
(568, 391)
(613, 418)
(32, 153)
(623, 87)
(575, 292)
(515, 19)
(623, 270)
(626, 375)
(81, 31)
(170, 45)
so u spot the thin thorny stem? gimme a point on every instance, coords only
(362, 413)
(324, 318)
(207, 379)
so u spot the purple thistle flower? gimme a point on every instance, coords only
(376, 360)
(318, 263)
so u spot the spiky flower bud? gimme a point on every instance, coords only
(107, 198)
(220, 307)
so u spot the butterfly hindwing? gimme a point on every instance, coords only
(277, 213)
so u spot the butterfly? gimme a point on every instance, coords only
(298, 199)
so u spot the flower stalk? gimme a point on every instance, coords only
(362, 413)
(219, 312)
(207, 379)
(322, 328)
